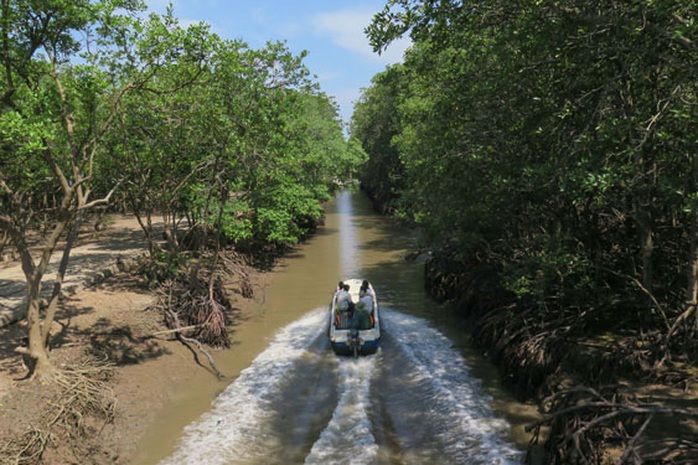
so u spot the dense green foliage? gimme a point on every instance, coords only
(184, 123)
(555, 139)
(105, 107)
(375, 123)
(549, 152)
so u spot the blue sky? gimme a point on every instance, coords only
(330, 30)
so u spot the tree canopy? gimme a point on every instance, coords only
(552, 147)
(555, 138)
(103, 105)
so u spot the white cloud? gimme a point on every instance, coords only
(346, 28)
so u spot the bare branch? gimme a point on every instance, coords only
(5, 187)
(198, 344)
(690, 310)
(175, 330)
(649, 294)
(104, 199)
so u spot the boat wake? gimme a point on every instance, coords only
(413, 402)
(437, 411)
(348, 437)
(239, 427)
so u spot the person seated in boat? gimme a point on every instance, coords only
(366, 288)
(362, 318)
(344, 303)
(352, 304)
(366, 298)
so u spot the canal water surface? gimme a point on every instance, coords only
(425, 397)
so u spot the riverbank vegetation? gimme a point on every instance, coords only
(214, 146)
(548, 152)
(104, 106)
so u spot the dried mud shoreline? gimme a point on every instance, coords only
(109, 322)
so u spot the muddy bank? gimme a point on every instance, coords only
(604, 397)
(110, 322)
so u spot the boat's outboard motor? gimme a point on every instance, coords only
(354, 342)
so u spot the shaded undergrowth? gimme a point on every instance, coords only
(583, 366)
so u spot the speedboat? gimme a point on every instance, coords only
(347, 336)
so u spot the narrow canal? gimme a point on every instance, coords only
(425, 397)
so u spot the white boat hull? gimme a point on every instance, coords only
(340, 332)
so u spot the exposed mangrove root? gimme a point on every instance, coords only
(178, 329)
(84, 393)
(581, 419)
(235, 269)
(190, 299)
(196, 305)
(527, 348)
(545, 345)
(185, 340)
(26, 448)
(80, 404)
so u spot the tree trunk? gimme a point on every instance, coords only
(692, 289)
(39, 364)
(692, 285)
(647, 246)
(60, 276)
(690, 311)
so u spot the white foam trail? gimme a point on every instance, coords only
(233, 430)
(348, 439)
(468, 428)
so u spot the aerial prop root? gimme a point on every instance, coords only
(190, 300)
(580, 419)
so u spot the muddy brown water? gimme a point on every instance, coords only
(427, 396)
